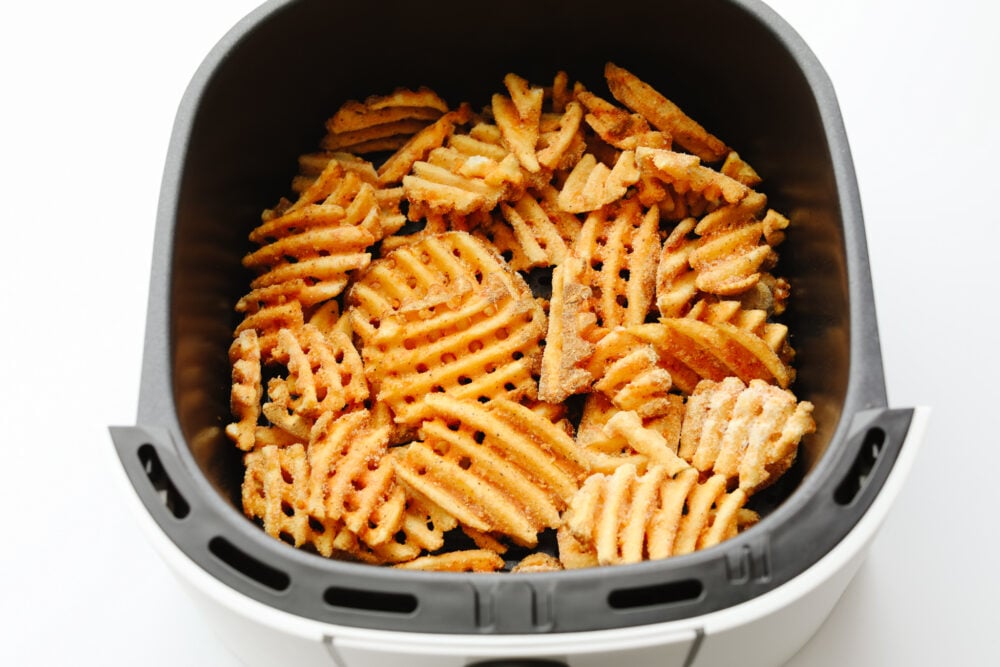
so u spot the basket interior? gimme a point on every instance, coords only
(261, 101)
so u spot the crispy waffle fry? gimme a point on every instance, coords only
(648, 442)
(663, 114)
(592, 185)
(473, 560)
(538, 562)
(621, 248)
(274, 491)
(567, 347)
(749, 433)
(496, 467)
(452, 183)
(625, 517)
(382, 122)
(247, 391)
(421, 144)
(325, 374)
(436, 269)
(268, 320)
(686, 173)
(519, 117)
(675, 280)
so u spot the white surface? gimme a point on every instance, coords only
(89, 94)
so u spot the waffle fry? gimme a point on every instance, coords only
(621, 248)
(518, 118)
(626, 518)
(498, 467)
(663, 114)
(538, 562)
(686, 174)
(247, 390)
(480, 342)
(436, 269)
(747, 433)
(274, 491)
(475, 560)
(382, 122)
(567, 346)
(592, 185)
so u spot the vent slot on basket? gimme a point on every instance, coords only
(854, 482)
(658, 594)
(368, 600)
(164, 486)
(247, 565)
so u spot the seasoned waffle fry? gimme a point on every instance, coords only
(474, 560)
(663, 114)
(537, 562)
(592, 185)
(621, 248)
(686, 173)
(274, 491)
(675, 280)
(247, 390)
(749, 433)
(498, 467)
(394, 411)
(421, 144)
(518, 118)
(567, 348)
(627, 517)
(382, 122)
(480, 344)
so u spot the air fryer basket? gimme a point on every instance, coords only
(260, 99)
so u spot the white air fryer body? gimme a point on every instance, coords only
(763, 632)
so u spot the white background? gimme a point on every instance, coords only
(88, 94)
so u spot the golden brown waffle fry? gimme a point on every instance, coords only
(646, 441)
(592, 185)
(675, 280)
(347, 478)
(693, 350)
(686, 174)
(435, 269)
(421, 144)
(737, 168)
(247, 390)
(567, 348)
(636, 382)
(745, 433)
(452, 183)
(497, 468)
(663, 114)
(267, 320)
(325, 373)
(321, 258)
(473, 560)
(621, 247)
(275, 491)
(485, 345)
(616, 126)
(376, 110)
(561, 143)
(538, 562)
(626, 518)
(382, 122)
(518, 118)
